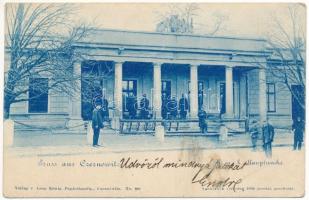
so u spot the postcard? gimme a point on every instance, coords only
(154, 99)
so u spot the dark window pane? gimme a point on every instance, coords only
(163, 85)
(38, 95)
(130, 85)
(166, 88)
(271, 97)
(200, 86)
(124, 85)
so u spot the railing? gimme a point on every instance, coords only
(134, 126)
(147, 126)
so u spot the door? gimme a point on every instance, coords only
(298, 98)
(222, 108)
(200, 94)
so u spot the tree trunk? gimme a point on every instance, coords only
(7, 107)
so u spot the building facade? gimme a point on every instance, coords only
(220, 74)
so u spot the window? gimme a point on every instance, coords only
(271, 97)
(200, 94)
(129, 87)
(38, 95)
(166, 88)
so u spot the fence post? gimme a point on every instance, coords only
(89, 133)
(223, 133)
(160, 132)
(8, 131)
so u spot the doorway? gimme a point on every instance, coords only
(298, 99)
(222, 107)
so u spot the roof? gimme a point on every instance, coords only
(171, 40)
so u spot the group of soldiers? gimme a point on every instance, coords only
(132, 106)
(267, 132)
(170, 108)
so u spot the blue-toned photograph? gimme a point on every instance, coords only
(89, 79)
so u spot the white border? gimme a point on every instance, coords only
(2, 3)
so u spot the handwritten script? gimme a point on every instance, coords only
(203, 170)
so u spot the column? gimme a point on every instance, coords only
(243, 95)
(229, 97)
(157, 89)
(76, 98)
(262, 95)
(193, 91)
(75, 110)
(118, 89)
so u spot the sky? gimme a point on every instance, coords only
(248, 20)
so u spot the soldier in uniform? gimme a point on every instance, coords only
(131, 105)
(254, 133)
(183, 107)
(202, 116)
(144, 105)
(164, 106)
(298, 129)
(172, 108)
(97, 124)
(268, 137)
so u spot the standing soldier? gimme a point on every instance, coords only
(164, 106)
(183, 107)
(131, 105)
(172, 108)
(268, 137)
(144, 105)
(298, 128)
(254, 133)
(202, 116)
(97, 124)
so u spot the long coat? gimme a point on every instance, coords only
(202, 115)
(131, 105)
(172, 107)
(144, 104)
(97, 119)
(298, 128)
(268, 133)
(183, 104)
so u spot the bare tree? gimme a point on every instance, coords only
(177, 19)
(40, 40)
(287, 40)
(183, 19)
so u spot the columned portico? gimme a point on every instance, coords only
(118, 89)
(157, 89)
(262, 95)
(193, 91)
(229, 92)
